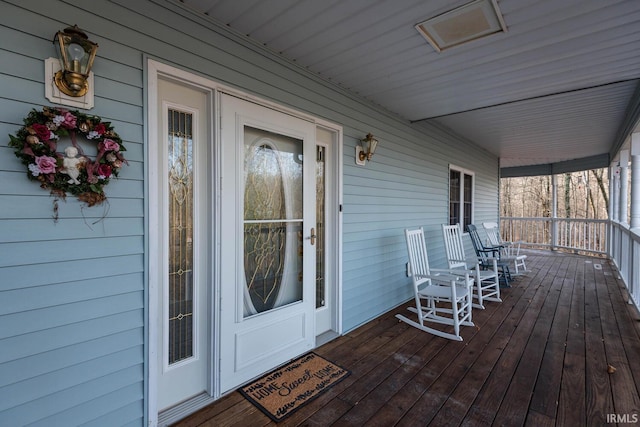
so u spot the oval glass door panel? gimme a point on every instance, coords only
(272, 220)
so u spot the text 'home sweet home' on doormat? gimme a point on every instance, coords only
(283, 391)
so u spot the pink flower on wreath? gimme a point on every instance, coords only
(100, 128)
(46, 164)
(110, 145)
(69, 121)
(42, 132)
(104, 170)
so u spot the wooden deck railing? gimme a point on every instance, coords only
(579, 235)
(625, 252)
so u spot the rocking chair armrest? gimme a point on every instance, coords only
(452, 271)
(460, 272)
(491, 246)
(493, 249)
(489, 258)
(487, 250)
(441, 278)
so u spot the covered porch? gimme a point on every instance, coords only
(556, 89)
(544, 356)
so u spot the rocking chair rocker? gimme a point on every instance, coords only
(435, 288)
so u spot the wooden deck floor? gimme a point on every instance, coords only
(539, 358)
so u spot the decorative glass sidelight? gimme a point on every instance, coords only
(272, 220)
(320, 226)
(180, 199)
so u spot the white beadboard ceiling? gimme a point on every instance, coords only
(561, 84)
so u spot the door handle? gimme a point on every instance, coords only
(313, 236)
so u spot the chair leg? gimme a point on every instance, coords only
(479, 297)
(520, 263)
(506, 275)
(493, 290)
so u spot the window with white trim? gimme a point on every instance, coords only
(461, 196)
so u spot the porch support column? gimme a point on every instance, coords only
(554, 212)
(635, 180)
(623, 211)
(615, 191)
(612, 186)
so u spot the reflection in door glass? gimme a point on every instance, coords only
(272, 220)
(180, 156)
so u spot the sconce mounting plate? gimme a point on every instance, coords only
(54, 95)
(359, 150)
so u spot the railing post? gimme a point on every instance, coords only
(623, 212)
(554, 212)
(635, 180)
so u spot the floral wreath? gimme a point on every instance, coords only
(72, 172)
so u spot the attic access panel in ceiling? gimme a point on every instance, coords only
(471, 21)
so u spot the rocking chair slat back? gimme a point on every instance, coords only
(418, 261)
(454, 246)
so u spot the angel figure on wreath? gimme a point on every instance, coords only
(72, 164)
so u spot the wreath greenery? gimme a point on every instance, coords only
(36, 145)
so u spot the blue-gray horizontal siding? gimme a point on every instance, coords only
(72, 291)
(71, 347)
(405, 185)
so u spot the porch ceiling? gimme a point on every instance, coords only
(561, 84)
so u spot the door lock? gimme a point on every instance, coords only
(313, 236)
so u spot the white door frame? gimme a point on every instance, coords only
(334, 217)
(156, 70)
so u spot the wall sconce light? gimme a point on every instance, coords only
(365, 151)
(76, 54)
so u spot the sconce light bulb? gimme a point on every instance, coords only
(76, 51)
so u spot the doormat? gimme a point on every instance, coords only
(285, 390)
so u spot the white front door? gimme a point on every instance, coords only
(268, 237)
(180, 200)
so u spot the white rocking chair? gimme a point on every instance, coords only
(510, 251)
(432, 286)
(487, 279)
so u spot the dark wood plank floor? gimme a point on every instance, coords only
(539, 358)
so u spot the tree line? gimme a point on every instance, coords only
(582, 194)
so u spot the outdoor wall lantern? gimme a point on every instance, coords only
(365, 151)
(76, 53)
